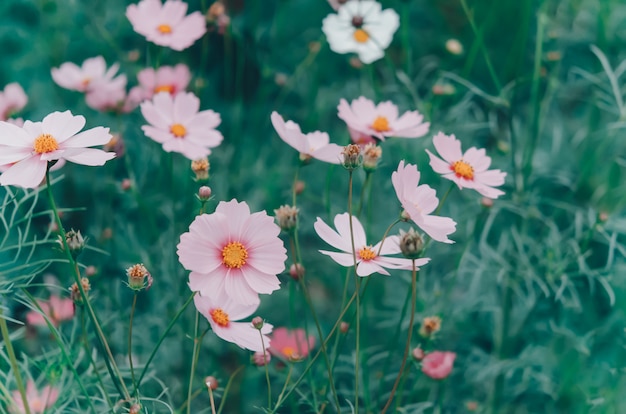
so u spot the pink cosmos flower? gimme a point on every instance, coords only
(37, 402)
(176, 124)
(381, 120)
(166, 24)
(92, 73)
(315, 144)
(57, 137)
(419, 201)
(467, 170)
(232, 253)
(57, 310)
(292, 345)
(171, 79)
(12, 99)
(221, 314)
(369, 259)
(109, 95)
(437, 364)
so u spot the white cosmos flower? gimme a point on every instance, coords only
(361, 27)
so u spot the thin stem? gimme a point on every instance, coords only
(443, 199)
(295, 182)
(267, 374)
(408, 340)
(83, 327)
(227, 388)
(196, 350)
(212, 400)
(16, 371)
(366, 184)
(130, 343)
(280, 396)
(357, 286)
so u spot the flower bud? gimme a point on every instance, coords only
(371, 156)
(204, 193)
(418, 354)
(486, 202)
(75, 242)
(454, 46)
(411, 244)
(430, 325)
(75, 290)
(298, 187)
(138, 277)
(211, 382)
(91, 271)
(215, 11)
(352, 157)
(257, 322)
(344, 327)
(200, 168)
(126, 184)
(135, 409)
(287, 217)
(603, 216)
(296, 271)
(261, 358)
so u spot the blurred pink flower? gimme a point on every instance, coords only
(381, 120)
(467, 170)
(368, 259)
(361, 27)
(314, 144)
(292, 345)
(437, 364)
(360, 138)
(92, 73)
(176, 124)
(336, 4)
(232, 253)
(166, 24)
(222, 313)
(12, 99)
(419, 201)
(56, 309)
(57, 137)
(260, 358)
(37, 402)
(108, 95)
(171, 79)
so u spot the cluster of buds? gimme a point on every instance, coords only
(139, 277)
(430, 326)
(75, 242)
(371, 156)
(200, 168)
(287, 218)
(411, 244)
(352, 157)
(75, 291)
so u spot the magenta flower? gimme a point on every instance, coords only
(176, 124)
(368, 258)
(467, 170)
(166, 24)
(37, 402)
(12, 99)
(57, 310)
(170, 79)
(222, 314)
(91, 74)
(437, 364)
(233, 254)
(381, 121)
(419, 201)
(312, 145)
(57, 137)
(292, 345)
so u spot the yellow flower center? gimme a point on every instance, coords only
(86, 82)
(381, 124)
(164, 28)
(178, 130)
(463, 170)
(366, 254)
(361, 36)
(288, 351)
(164, 88)
(45, 143)
(220, 317)
(234, 255)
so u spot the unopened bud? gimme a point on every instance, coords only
(355, 62)
(411, 244)
(298, 187)
(296, 271)
(204, 193)
(138, 277)
(135, 409)
(200, 168)
(287, 217)
(257, 322)
(344, 327)
(91, 271)
(126, 184)
(603, 216)
(486, 202)
(261, 358)
(75, 242)
(352, 157)
(371, 156)
(454, 46)
(75, 290)
(211, 382)
(418, 354)
(430, 325)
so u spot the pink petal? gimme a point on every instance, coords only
(344, 259)
(448, 147)
(88, 156)
(260, 282)
(28, 173)
(437, 164)
(186, 106)
(438, 228)
(330, 153)
(89, 138)
(62, 125)
(366, 268)
(477, 159)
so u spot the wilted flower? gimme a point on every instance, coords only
(37, 402)
(371, 156)
(430, 325)
(437, 364)
(56, 309)
(138, 277)
(75, 242)
(361, 27)
(352, 157)
(166, 24)
(411, 244)
(293, 345)
(368, 258)
(381, 121)
(177, 124)
(75, 290)
(200, 168)
(467, 169)
(12, 100)
(287, 217)
(233, 253)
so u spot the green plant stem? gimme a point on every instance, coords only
(267, 373)
(4, 328)
(366, 184)
(84, 297)
(408, 339)
(130, 343)
(196, 351)
(83, 327)
(282, 392)
(357, 286)
(227, 388)
(295, 182)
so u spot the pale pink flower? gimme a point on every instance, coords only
(166, 24)
(361, 27)
(91, 74)
(12, 99)
(260, 358)
(170, 79)
(360, 138)
(57, 137)
(56, 309)
(419, 201)
(176, 124)
(292, 345)
(314, 144)
(368, 258)
(437, 364)
(222, 312)
(381, 121)
(37, 402)
(232, 253)
(467, 170)
(108, 95)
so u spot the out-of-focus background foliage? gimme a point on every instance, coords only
(532, 293)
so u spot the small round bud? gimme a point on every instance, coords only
(91, 271)
(138, 277)
(471, 406)
(107, 233)
(371, 156)
(135, 409)
(352, 157)
(454, 46)
(200, 168)
(418, 354)
(126, 184)
(344, 327)
(314, 47)
(287, 217)
(261, 359)
(298, 187)
(430, 325)
(257, 322)
(280, 79)
(296, 271)
(355, 62)
(486, 202)
(603, 216)
(411, 244)
(133, 55)
(204, 193)
(211, 382)
(405, 216)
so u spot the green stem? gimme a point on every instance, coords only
(227, 388)
(295, 182)
(13, 360)
(196, 352)
(357, 286)
(282, 392)
(130, 344)
(83, 327)
(366, 184)
(267, 374)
